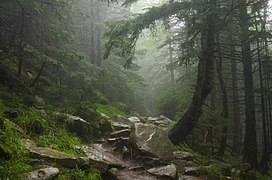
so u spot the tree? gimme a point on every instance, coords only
(250, 142)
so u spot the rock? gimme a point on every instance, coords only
(42, 174)
(51, 155)
(151, 162)
(160, 121)
(121, 133)
(152, 141)
(192, 171)
(79, 126)
(123, 120)
(134, 119)
(182, 155)
(142, 119)
(100, 158)
(164, 171)
(119, 126)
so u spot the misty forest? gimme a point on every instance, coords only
(135, 89)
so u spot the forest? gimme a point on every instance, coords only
(135, 89)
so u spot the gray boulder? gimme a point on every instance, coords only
(152, 141)
(79, 126)
(101, 158)
(134, 119)
(42, 174)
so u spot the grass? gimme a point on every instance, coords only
(17, 161)
(109, 110)
(61, 140)
(77, 173)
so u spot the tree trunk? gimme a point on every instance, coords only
(20, 47)
(98, 34)
(204, 81)
(38, 75)
(223, 141)
(92, 35)
(171, 63)
(250, 142)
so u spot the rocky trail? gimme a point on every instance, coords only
(138, 149)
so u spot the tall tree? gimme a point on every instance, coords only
(250, 142)
(204, 79)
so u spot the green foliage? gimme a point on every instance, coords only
(80, 174)
(265, 176)
(61, 140)
(13, 161)
(12, 168)
(110, 110)
(31, 122)
(124, 34)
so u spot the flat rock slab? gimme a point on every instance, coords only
(182, 155)
(101, 157)
(42, 174)
(123, 120)
(134, 119)
(121, 133)
(120, 126)
(65, 160)
(164, 171)
(152, 141)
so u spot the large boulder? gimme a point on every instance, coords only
(122, 120)
(169, 171)
(101, 158)
(79, 126)
(42, 174)
(152, 141)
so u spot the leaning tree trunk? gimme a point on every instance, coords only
(204, 81)
(250, 142)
